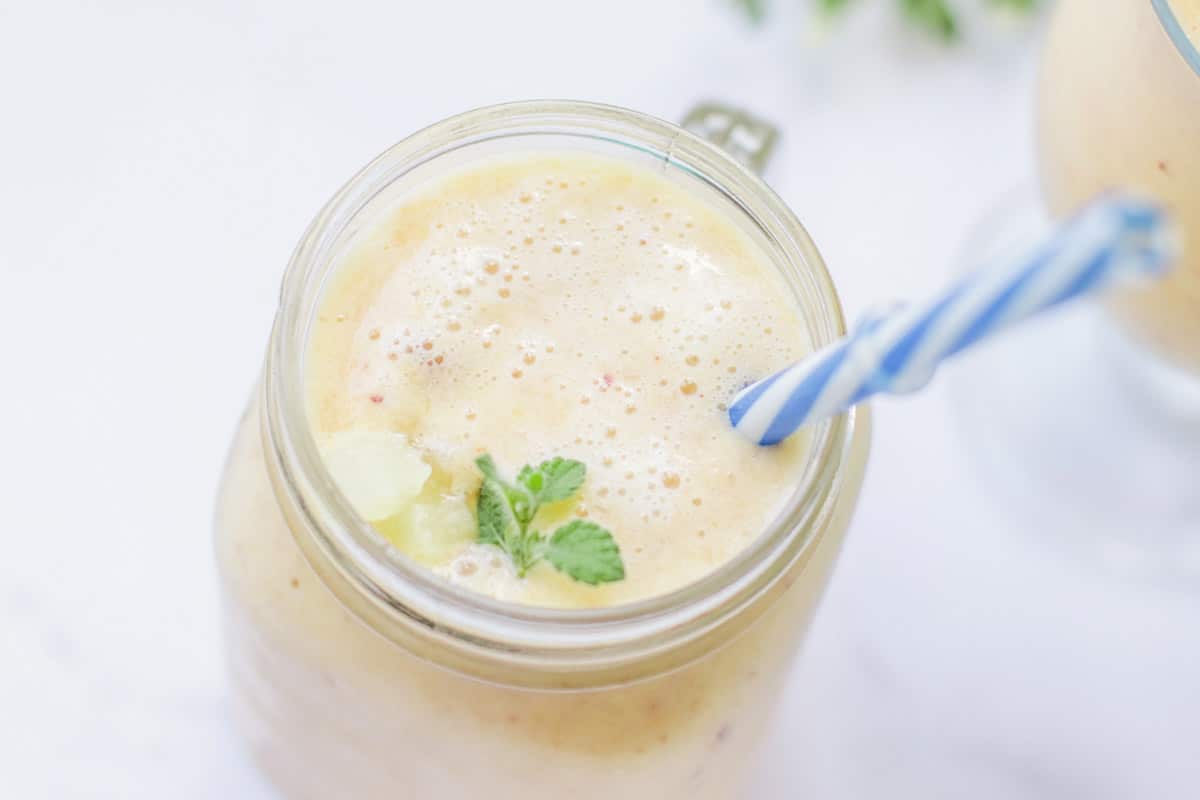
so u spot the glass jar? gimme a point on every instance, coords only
(1120, 107)
(357, 673)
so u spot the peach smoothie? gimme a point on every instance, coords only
(556, 306)
(1119, 106)
(545, 304)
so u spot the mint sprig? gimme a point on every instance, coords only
(581, 549)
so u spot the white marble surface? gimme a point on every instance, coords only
(159, 161)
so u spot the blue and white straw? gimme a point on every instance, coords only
(1113, 239)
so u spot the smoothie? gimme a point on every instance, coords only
(532, 306)
(569, 306)
(1120, 107)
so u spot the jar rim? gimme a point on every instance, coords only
(397, 596)
(1188, 49)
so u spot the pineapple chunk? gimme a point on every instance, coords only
(431, 533)
(379, 473)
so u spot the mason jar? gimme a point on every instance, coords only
(1119, 106)
(358, 673)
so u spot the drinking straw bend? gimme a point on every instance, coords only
(1113, 238)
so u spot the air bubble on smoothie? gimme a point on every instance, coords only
(482, 568)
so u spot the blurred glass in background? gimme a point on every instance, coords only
(1097, 442)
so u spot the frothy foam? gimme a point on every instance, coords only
(577, 306)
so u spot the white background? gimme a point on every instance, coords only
(159, 160)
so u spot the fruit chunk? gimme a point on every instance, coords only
(379, 473)
(431, 532)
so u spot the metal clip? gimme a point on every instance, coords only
(744, 136)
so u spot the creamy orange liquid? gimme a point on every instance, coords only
(1188, 12)
(1120, 107)
(623, 302)
(544, 306)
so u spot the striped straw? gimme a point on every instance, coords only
(1113, 238)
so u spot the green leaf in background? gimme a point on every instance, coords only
(756, 10)
(932, 15)
(832, 6)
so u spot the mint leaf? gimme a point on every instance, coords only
(496, 521)
(556, 479)
(581, 549)
(524, 505)
(526, 475)
(520, 500)
(488, 468)
(530, 552)
(586, 552)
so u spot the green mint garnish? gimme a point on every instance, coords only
(553, 480)
(581, 549)
(497, 523)
(586, 552)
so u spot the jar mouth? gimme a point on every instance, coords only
(1189, 50)
(397, 596)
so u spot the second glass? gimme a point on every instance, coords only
(1119, 106)
(1097, 442)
